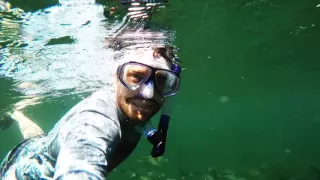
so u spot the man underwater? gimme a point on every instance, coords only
(101, 131)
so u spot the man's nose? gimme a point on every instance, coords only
(147, 90)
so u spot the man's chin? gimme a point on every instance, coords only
(141, 113)
(142, 116)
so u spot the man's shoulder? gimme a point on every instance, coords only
(102, 99)
(100, 102)
(98, 107)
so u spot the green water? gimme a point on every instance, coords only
(249, 100)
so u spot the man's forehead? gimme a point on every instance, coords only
(146, 57)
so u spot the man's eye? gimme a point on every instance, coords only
(138, 75)
(135, 77)
(162, 79)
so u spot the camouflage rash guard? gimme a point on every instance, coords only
(87, 143)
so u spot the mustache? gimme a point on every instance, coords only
(151, 101)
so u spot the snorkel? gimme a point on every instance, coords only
(158, 137)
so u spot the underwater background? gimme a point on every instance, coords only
(249, 104)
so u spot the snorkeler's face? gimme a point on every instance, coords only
(141, 104)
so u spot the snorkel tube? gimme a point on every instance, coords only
(158, 137)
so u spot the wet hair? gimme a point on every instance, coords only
(167, 52)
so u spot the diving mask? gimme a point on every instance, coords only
(134, 74)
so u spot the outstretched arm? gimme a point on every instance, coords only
(85, 145)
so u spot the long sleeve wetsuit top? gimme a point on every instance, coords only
(87, 143)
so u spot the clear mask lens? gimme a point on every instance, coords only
(133, 75)
(166, 82)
